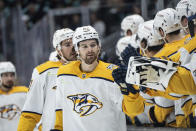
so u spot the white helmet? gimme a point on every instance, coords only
(6, 67)
(131, 22)
(186, 7)
(146, 31)
(84, 33)
(168, 20)
(53, 56)
(61, 35)
(124, 42)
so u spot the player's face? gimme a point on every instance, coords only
(67, 50)
(8, 79)
(89, 51)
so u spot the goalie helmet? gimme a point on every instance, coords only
(146, 31)
(85, 33)
(61, 35)
(168, 20)
(6, 67)
(131, 22)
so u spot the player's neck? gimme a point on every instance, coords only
(4, 89)
(88, 68)
(174, 38)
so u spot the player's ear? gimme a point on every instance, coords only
(184, 21)
(161, 32)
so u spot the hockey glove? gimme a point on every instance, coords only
(127, 53)
(119, 75)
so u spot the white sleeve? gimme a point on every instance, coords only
(116, 95)
(59, 95)
(35, 74)
(35, 97)
(192, 66)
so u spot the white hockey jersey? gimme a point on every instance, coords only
(89, 101)
(40, 102)
(11, 104)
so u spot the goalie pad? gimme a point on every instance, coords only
(152, 73)
(163, 102)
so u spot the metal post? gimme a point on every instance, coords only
(85, 15)
(3, 30)
(160, 5)
(51, 23)
(144, 4)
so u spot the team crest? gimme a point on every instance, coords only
(9, 111)
(86, 29)
(85, 104)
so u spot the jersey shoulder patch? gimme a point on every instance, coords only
(48, 65)
(104, 70)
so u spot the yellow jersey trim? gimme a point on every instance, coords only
(102, 71)
(16, 89)
(48, 65)
(170, 49)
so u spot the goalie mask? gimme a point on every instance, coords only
(6, 67)
(168, 20)
(131, 23)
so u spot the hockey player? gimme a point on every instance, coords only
(129, 26)
(87, 99)
(40, 103)
(151, 44)
(167, 23)
(185, 73)
(12, 97)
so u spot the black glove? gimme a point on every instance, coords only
(119, 76)
(127, 53)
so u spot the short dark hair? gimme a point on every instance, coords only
(153, 48)
(174, 32)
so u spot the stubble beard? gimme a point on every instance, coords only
(9, 84)
(90, 59)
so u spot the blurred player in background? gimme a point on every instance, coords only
(12, 97)
(40, 103)
(129, 26)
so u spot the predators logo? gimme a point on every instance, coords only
(9, 111)
(85, 104)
